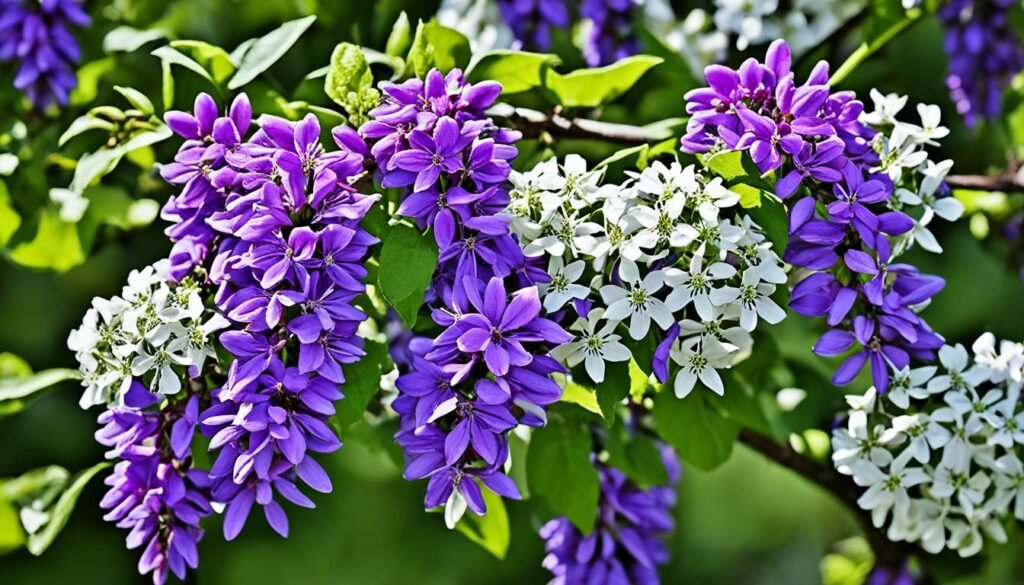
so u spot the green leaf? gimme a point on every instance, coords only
(12, 366)
(701, 436)
(211, 57)
(581, 396)
(560, 471)
(362, 382)
(492, 530)
(516, 71)
(637, 456)
(590, 88)
(884, 29)
(84, 124)
(171, 56)
(22, 386)
(771, 215)
(94, 165)
(437, 46)
(10, 221)
(126, 39)
(56, 244)
(113, 206)
(12, 535)
(400, 38)
(266, 50)
(167, 84)
(407, 262)
(38, 542)
(89, 76)
(136, 98)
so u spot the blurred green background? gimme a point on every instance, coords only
(748, 521)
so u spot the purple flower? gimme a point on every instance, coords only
(36, 34)
(532, 20)
(612, 35)
(820, 162)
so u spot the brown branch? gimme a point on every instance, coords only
(533, 124)
(887, 553)
(1006, 182)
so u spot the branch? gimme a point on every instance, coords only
(887, 553)
(533, 124)
(1006, 182)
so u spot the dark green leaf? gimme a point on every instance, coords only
(516, 71)
(701, 436)
(362, 382)
(590, 88)
(636, 456)
(266, 50)
(407, 262)
(559, 469)
(771, 215)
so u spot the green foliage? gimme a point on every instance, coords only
(263, 52)
(590, 88)
(516, 71)
(57, 516)
(127, 39)
(559, 469)
(212, 59)
(18, 390)
(702, 437)
(349, 82)
(400, 38)
(492, 530)
(407, 262)
(436, 46)
(362, 382)
(10, 221)
(637, 456)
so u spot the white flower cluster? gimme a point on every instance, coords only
(941, 451)
(918, 180)
(656, 248)
(150, 332)
(806, 24)
(480, 21)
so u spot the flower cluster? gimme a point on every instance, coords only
(940, 454)
(156, 332)
(804, 25)
(626, 545)
(154, 493)
(984, 52)
(273, 222)
(36, 35)
(656, 248)
(845, 229)
(480, 21)
(533, 20)
(611, 35)
(487, 371)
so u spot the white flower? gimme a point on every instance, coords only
(715, 327)
(637, 301)
(754, 298)
(858, 443)
(714, 196)
(699, 362)
(1005, 366)
(888, 491)
(161, 360)
(923, 434)
(968, 491)
(560, 235)
(72, 204)
(1009, 482)
(910, 383)
(887, 107)
(563, 288)
(480, 21)
(931, 128)
(697, 284)
(745, 18)
(954, 360)
(580, 185)
(454, 508)
(594, 346)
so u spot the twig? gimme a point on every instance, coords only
(1004, 182)
(887, 553)
(533, 123)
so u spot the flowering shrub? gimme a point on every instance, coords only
(539, 258)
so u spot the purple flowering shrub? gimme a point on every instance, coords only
(37, 36)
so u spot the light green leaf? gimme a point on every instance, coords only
(12, 366)
(94, 165)
(84, 124)
(136, 98)
(89, 76)
(10, 221)
(400, 38)
(590, 88)
(701, 436)
(12, 535)
(211, 57)
(172, 56)
(127, 39)
(581, 396)
(407, 262)
(266, 50)
(516, 71)
(113, 206)
(560, 471)
(22, 386)
(167, 84)
(437, 46)
(38, 542)
(362, 382)
(56, 244)
(492, 530)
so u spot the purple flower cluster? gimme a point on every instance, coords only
(487, 371)
(274, 222)
(36, 34)
(532, 20)
(840, 218)
(984, 54)
(626, 546)
(154, 492)
(612, 36)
